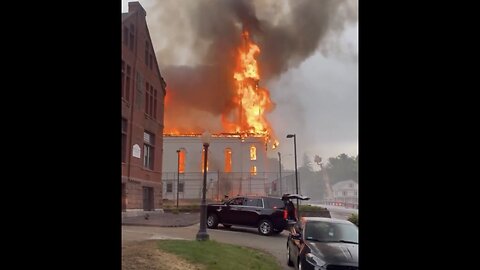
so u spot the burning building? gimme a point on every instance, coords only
(219, 56)
(236, 165)
(143, 91)
(238, 153)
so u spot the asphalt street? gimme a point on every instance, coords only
(249, 237)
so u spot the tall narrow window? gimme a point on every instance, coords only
(154, 104)
(203, 160)
(253, 153)
(132, 36)
(253, 170)
(147, 98)
(148, 149)
(181, 163)
(127, 83)
(124, 139)
(123, 79)
(147, 53)
(125, 35)
(151, 101)
(228, 160)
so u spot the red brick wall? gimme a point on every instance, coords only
(138, 122)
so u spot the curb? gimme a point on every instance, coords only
(157, 225)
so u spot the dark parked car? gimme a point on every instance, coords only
(268, 214)
(323, 243)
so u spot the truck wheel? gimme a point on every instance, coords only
(265, 227)
(212, 221)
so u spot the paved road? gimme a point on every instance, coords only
(338, 211)
(249, 237)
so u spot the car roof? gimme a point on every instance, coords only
(328, 220)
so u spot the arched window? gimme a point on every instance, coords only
(253, 153)
(181, 163)
(253, 170)
(132, 36)
(228, 160)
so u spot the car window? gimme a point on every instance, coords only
(253, 202)
(274, 203)
(237, 201)
(326, 231)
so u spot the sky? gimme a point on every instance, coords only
(316, 100)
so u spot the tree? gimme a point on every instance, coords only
(324, 177)
(318, 160)
(307, 163)
(342, 168)
(317, 182)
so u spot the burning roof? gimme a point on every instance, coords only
(249, 103)
(217, 54)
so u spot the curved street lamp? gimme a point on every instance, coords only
(202, 233)
(178, 172)
(280, 170)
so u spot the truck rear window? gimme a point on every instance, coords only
(274, 203)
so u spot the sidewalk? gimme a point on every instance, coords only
(163, 219)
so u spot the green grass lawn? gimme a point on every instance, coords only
(216, 255)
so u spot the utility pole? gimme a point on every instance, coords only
(280, 171)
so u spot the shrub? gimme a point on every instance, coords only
(311, 208)
(354, 219)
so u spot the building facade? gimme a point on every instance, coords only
(345, 193)
(235, 166)
(143, 92)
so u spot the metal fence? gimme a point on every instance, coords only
(219, 184)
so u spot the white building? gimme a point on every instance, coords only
(235, 166)
(346, 193)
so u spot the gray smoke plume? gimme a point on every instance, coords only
(196, 44)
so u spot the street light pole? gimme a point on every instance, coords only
(280, 171)
(178, 172)
(295, 151)
(202, 234)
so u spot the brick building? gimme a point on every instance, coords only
(143, 93)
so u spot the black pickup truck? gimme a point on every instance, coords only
(268, 214)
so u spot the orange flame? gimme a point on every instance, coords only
(251, 101)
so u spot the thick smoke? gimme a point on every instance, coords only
(197, 40)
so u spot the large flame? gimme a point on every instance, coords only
(251, 101)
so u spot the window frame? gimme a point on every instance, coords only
(150, 154)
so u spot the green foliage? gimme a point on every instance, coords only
(307, 162)
(216, 256)
(354, 219)
(336, 169)
(342, 168)
(311, 208)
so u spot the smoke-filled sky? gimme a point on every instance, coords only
(308, 62)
